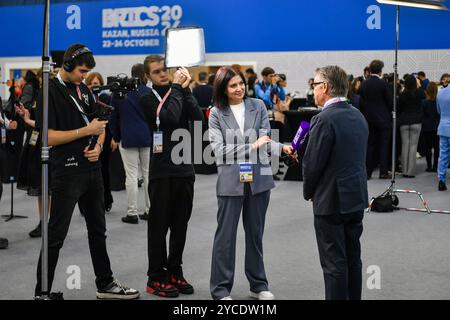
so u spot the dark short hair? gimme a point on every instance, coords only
(150, 59)
(410, 83)
(202, 76)
(282, 76)
(211, 79)
(223, 76)
(86, 59)
(137, 71)
(266, 71)
(376, 66)
(250, 71)
(421, 73)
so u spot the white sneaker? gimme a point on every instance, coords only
(227, 298)
(263, 295)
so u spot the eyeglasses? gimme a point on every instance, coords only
(314, 84)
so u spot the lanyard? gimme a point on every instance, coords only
(83, 114)
(157, 94)
(161, 102)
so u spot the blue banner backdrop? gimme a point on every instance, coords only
(137, 26)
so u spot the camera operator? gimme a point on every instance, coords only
(131, 134)
(168, 107)
(76, 172)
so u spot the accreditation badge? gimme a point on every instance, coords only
(246, 172)
(157, 142)
(3, 133)
(34, 138)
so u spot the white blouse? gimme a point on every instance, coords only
(239, 114)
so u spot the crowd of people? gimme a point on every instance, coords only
(142, 126)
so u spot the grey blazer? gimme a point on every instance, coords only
(334, 165)
(231, 148)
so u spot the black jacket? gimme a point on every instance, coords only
(410, 107)
(376, 100)
(179, 108)
(431, 117)
(334, 165)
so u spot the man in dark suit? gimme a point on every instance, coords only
(204, 91)
(334, 178)
(376, 105)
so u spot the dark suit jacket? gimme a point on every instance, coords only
(376, 100)
(334, 165)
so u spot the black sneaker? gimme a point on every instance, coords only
(144, 216)
(130, 219)
(36, 232)
(181, 284)
(442, 186)
(115, 290)
(52, 296)
(161, 289)
(3, 243)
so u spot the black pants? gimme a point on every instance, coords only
(170, 208)
(431, 143)
(87, 190)
(340, 254)
(378, 148)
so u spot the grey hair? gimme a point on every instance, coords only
(336, 79)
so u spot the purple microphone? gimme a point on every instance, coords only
(300, 136)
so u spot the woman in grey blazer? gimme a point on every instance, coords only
(239, 133)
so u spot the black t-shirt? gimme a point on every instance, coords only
(179, 108)
(63, 115)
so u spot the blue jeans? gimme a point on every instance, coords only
(444, 154)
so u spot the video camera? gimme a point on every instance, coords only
(119, 85)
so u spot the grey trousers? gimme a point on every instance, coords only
(410, 138)
(254, 209)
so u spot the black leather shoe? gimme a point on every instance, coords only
(3, 243)
(130, 219)
(276, 178)
(384, 176)
(428, 169)
(144, 216)
(36, 232)
(442, 186)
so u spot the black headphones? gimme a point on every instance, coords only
(69, 64)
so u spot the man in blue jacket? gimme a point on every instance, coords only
(132, 135)
(443, 107)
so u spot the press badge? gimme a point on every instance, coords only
(34, 138)
(246, 172)
(157, 142)
(3, 132)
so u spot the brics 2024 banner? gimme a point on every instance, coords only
(138, 26)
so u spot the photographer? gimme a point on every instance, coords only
(76, 172)
(269, 89)
(131, 134)
(168, 107)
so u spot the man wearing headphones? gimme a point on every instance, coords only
(76, 137)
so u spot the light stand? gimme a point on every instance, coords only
(45, 154)
(391, 191)
(11, 215)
